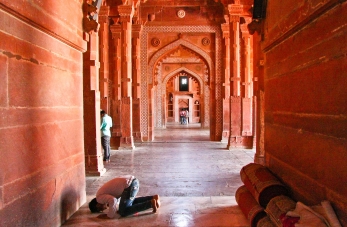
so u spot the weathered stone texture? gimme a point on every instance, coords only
(42, 178)
(305, 99)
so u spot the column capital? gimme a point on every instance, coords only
(240, 10)
(234, 18)
(226, 30)
(126, 12)
(136, 30)
(104, 11)
(116, 31)
(244, 30)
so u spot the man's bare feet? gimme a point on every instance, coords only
(154, 205)
(157, 199)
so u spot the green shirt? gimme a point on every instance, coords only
(106, 124)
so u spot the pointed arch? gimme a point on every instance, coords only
(180, 42)
(213, 74)
(204, 88)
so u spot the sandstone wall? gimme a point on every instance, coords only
(306, 98)
(42, 179)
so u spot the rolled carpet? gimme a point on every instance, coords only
(265, 222)
(249, 206)
(278, 207)
(262, 183)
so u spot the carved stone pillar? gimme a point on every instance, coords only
(235, 80)
(226, 82)
(247, 86)
(136, 74)
(116, 79)
(258, 88)
(91, 108)
(240, 107)
(105, 81)
(235, 99)
(126, 13)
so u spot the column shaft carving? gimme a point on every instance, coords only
(136, 81)
(105, 81)
(226, 82)
(116, 78)
(240, 103)
(126, 12)
(258, 90)
(235, 55)
(247, 83)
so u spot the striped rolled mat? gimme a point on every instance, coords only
(249, 206)
(278, 207)
(262, 183)
(265, 222)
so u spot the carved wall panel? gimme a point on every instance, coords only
(211, 74)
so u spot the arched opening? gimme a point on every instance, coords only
(178, 99)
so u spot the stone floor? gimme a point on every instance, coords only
(195, 178)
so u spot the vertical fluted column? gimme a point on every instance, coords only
(226, 81)
(235, 99)
(240, 133)
(248, 62)
(136, 79)
(258, 89)
(115, 49)
(104, 81)
(235, 80)
(126, 13)
(247, 83)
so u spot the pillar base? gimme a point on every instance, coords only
(225, 136)
(126, 143)
(245, 142)
(259, 159)
(95, 173)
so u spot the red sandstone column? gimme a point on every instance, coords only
(226, 82)
(104, 59)
(136, 88)
(247, 88)
(240, 107)
(91, 109)
(126, 141)
(116, 79)
(259, 96)
(235, 99)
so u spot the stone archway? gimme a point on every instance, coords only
(204, 92)
(214, 73)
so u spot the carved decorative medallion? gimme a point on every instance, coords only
(155, 42)
(181, 13)
(205, 41)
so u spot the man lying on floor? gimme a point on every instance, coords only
(125, 189)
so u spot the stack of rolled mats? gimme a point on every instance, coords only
(263, 198)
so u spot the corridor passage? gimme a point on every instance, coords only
(195, 178)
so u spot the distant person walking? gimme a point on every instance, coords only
(106, 124)
(182, 116)
(187, 116)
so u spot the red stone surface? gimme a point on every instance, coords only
(42, 176)
(60, 20)
(4, 79)
(305, 99)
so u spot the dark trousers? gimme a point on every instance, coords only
(105, 142)
(129, 204)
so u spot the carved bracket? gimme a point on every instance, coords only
(89, 24)
(255, 26)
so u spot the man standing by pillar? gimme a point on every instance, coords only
(106, 124)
